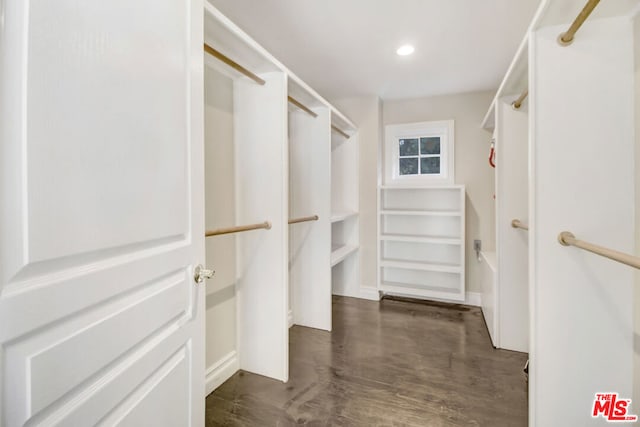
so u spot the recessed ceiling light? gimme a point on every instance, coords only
(405, 50)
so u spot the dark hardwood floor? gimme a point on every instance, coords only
(392, 363)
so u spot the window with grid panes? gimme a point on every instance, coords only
(419, 153)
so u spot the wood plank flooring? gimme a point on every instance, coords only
(392, 363)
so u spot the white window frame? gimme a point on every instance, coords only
(394, 133)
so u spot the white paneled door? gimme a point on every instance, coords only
(101, 220)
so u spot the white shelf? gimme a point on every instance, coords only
(339, 253)
(420, 239)
(422, 291)
(342, 216)
(222, 33)
(415, 187)
(414, 265)
(549, 13)
(416, 212)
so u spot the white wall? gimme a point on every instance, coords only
(366, 113)
(471, 165)
(220, 212)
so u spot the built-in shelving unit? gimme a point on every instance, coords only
(531, 280)
(276, 151)
(345, 221)
(421, 238)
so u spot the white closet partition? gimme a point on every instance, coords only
(261, 164)
(636, 21)
(512, 189)
(582, 181)
(310, 194)
(221, 354)
(505, 282)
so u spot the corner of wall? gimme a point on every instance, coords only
(221, 371)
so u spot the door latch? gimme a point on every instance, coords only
(201, 274)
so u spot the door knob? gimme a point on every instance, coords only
(201, 274)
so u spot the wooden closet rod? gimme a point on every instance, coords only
(518, 102)
(340, 131)
(266, 225)
(303, 219)
(568, 239)
(233, 64)
(516, 223)
(566, 38)
(301, 106)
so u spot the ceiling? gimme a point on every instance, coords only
(346, 48)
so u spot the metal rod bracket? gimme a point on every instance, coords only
(518, 102)
(563, 236)
(516, 223)
(566, 38)
(563, 42)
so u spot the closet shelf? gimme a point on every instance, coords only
(220, 31)
(420, 239)
(426, 266)
(416, 212)
(423, 291)
(342, 216)
(339, 253)
(549, 13)
(430, 187)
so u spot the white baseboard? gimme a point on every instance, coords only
(340, 293)
(473, 298)
(369, 293)
(290, 318)
(221, 371)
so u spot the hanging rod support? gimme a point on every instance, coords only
(233, 64)
(340, 131)
(263, 225)
(303, 219)
(518, 102)
(568, 239)
(301, 106)
(566, 38)
(516, 223)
